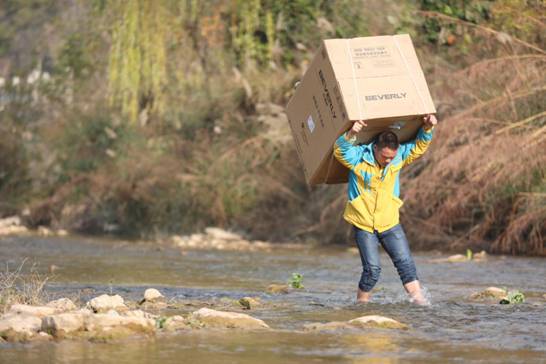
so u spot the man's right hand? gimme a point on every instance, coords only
(357, 127)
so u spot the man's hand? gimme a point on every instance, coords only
(429, 121)
(357, 127)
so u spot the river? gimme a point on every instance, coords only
(453, 329)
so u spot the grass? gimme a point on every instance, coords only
(296, 281)
(17, 287)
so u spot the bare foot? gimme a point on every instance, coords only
(362, 296)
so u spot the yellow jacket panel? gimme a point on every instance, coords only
(374, 192)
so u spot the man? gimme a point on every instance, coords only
(373, 205)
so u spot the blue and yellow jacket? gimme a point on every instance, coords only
(374, 191)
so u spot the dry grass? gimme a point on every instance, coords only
(17, 287)
(484, 181)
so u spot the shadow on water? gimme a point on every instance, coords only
(453, 328)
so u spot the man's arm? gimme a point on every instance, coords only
(345, 151)
(415, 149)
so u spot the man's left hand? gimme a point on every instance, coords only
(429, 121)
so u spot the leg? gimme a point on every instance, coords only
(395, 243)
(368, 245)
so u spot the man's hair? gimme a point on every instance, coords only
(387, 139)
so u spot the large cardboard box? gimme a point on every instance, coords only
(376, 79)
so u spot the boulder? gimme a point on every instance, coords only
(480, 256)
(38, 311)
(101, 322)
(175, 323)
(106, 302)
(140, 313)
(457, 258)
(249, 303)
(19, 327)
(64, 323)
(153, 295)
(377, 321)
(222, 319)
(278, 289)
(221, 234)
(62, 305)
(490, 292)
(371, 321)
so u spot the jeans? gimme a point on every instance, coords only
(395, 244)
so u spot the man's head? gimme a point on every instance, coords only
(385, 147)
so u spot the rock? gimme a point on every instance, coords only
(221, 234)
(480, 256)
(353, 250)
(38, 311)
(19, 327)
(153, 295)
(10, 221)
(377, 321)
(222, 319)
(371, 321)
(62, 305)
(248, 302)
(278, 289)
(42, 336)
(101, 322)
(64, 323)
(141, 314)
(490, 292)
(105, 302)
(44, 231)
(175, 323)
(62, 232)
(457, 258)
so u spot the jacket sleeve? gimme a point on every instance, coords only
(347, 153)
(413, 150)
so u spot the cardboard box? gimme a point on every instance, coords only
(376, 79)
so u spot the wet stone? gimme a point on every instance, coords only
(222, 319)
(106, 302)
(62, 305)
(278, 289)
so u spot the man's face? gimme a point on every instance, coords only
(384, 156)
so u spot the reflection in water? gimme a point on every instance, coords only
(367, 346)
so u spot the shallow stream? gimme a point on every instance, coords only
(452, 329)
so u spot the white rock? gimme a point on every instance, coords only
(64, 323)
(457, 258)
(38, 311)
(21, 324)
(213, 318)
(107, 321)
(106, 302)
(13, 230)
(221, 234)
(152, 294)
(377, 321)
(174, 323)
(61, 232)
(10, 221)
(141, 314)
(62, 305)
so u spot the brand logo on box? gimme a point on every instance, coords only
(379, 97)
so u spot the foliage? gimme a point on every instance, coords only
(513, 297)
(137, 70)
(296, 281)
(19, 287)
